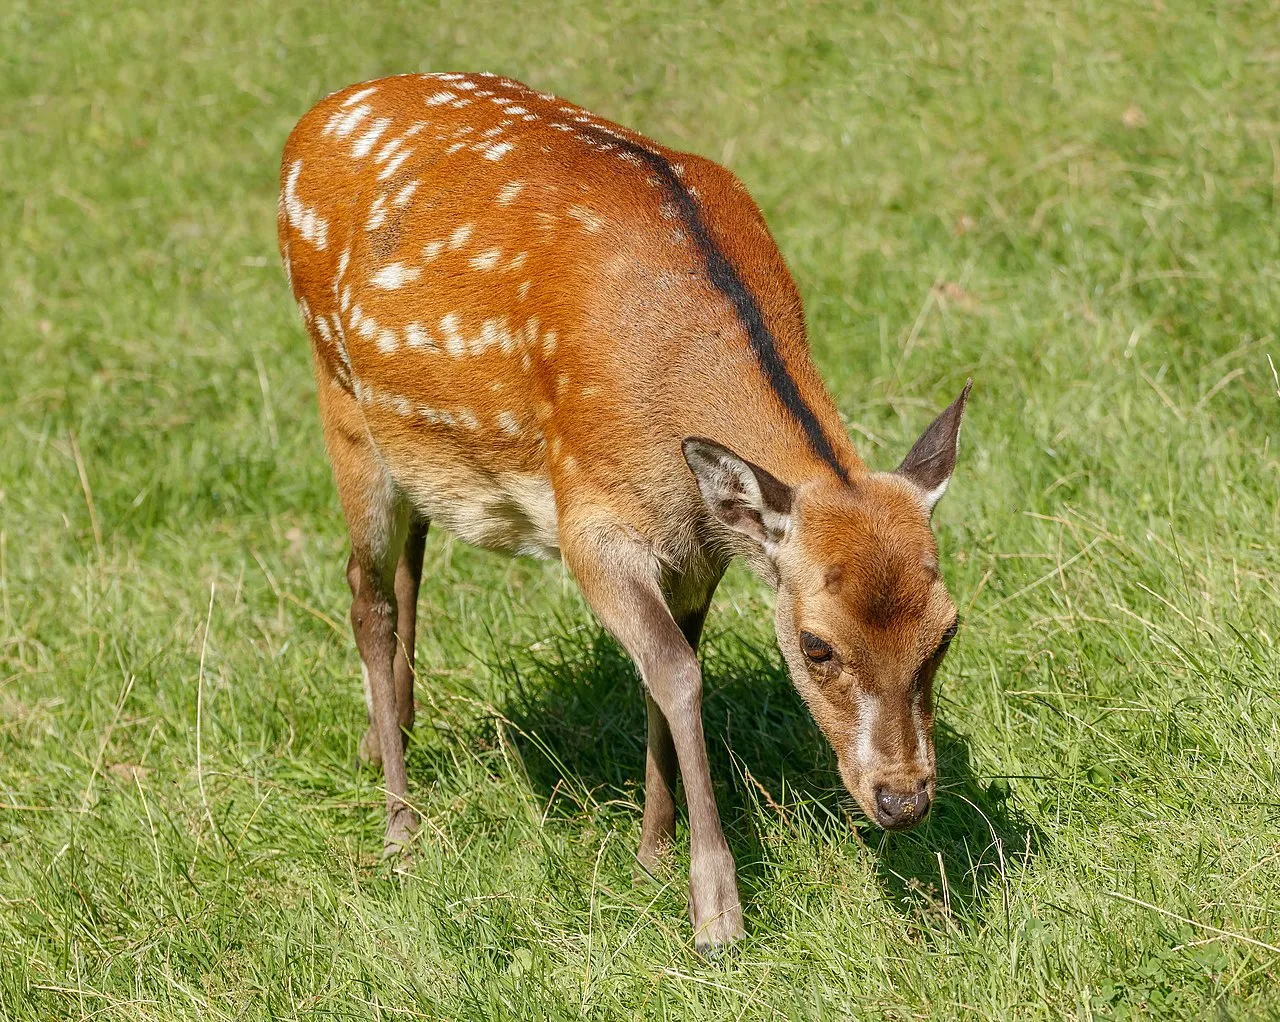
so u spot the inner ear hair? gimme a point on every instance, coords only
(742, 496)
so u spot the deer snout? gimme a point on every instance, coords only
(901, 809)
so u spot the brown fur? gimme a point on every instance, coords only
(513, 335)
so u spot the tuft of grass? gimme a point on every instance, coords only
(1076, 205)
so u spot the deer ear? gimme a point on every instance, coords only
(933, 458)
(740, 495)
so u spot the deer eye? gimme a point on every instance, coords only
(947, 636)
(814, 648)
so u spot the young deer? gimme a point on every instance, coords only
(553, 336)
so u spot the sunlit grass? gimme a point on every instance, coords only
(1076, 205)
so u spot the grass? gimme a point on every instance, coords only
(1076, 204)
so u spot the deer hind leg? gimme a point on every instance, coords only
(620, 578)
(378, 521)
(407, 578)
(658, 828)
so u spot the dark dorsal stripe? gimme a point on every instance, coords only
(724, 278)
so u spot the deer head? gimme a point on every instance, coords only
(863, 615)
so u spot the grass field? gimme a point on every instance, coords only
(1078, 205)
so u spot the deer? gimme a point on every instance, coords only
(553, 336)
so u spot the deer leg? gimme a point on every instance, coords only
(620, 578)
(378, 521)
(658, 827)
(407, 578)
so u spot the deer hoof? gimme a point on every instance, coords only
(715, 910)
(399, 836)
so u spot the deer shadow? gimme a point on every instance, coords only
(578, 710)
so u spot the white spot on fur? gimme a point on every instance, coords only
(311, 227)
(441, 97)
(454, 342)
(459, 237)
(342, 125)
(486, 260)
(355, 97)
(590, 222)
(416, 337)
(491, 333)
(394, 164)
(405, 193)
(387, 342)
(431, 250)
(523, 290)
(377, 214)
(508, 192)
(385, 152)
(367, 141)
(395, 275)
(497, 152)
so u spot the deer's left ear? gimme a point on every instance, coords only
(740, 495)
(933, 458)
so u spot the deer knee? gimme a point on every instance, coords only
(675, 682)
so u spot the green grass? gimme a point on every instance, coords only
(1075, 203)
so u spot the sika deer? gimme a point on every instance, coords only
(554, 336)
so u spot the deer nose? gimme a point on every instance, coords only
(899, 810)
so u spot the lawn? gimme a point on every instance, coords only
(1076, 204)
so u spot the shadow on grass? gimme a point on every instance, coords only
(578, 706)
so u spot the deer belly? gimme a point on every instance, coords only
(511, 512)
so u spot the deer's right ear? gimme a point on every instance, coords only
(740, 495)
